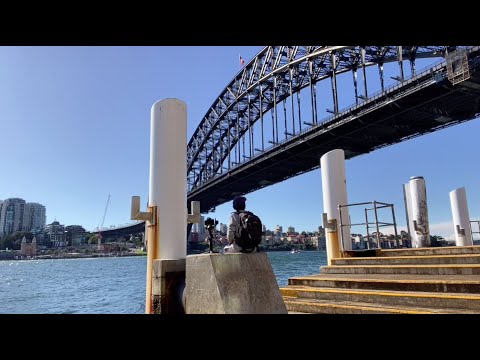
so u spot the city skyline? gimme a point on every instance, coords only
(77, 122)
(33, 215)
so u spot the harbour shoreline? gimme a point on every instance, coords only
(70, 256)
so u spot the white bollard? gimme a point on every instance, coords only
(418, 195)
(334, 186)
(461, 217)
(168, 169)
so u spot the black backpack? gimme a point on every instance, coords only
(250, 234)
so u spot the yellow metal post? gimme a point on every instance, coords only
(152, 238)
(332, 238)
(151, 220)
(333, 246)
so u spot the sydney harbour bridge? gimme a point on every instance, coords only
(282, 111)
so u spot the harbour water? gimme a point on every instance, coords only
(114, 285)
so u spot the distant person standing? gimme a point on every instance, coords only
(244, 229)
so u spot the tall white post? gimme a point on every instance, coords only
(168, 172)
(334, 186)
(408, 211)
(461, 217)
(418, 195)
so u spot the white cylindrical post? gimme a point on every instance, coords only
(334, 186)
(418, 196)
(408, 211)
(461, 217)
(168, 171)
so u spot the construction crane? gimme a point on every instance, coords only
(100, 227)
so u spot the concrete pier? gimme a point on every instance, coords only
(232, 284)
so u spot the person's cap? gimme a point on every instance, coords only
(239, 200)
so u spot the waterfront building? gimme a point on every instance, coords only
(11, 217)
(313, 241)
(269, 240)
(278, 232)
(55, 234)
(16, 215)
(322, 243)
(200, 228)
(321, 231)
(39, 234)
(75, 235)
(35, 217)
(223, 229)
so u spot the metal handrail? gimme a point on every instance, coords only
(471, 228)
(377, 223)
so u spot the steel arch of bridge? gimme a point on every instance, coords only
(275, 74)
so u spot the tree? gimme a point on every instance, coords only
(17, 244)
(93, 239)
(14, 241)
(6, 243)
(437, 240)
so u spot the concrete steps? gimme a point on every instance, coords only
(410, 260)
(446, 250)
(437, 269)
(387, 297)
(401, 281)
(427, 283)
(314, 306)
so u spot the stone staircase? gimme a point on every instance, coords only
(442, 280)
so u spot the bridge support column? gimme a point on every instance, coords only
(334, 186)
(461, 217)
(418, 197)
(167, 191)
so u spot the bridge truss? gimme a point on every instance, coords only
(275, 101)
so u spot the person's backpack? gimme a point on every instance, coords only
(250, 234)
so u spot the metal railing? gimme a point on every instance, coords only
(378, 224)
(471, 228)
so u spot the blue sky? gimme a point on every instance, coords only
(74, 128)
